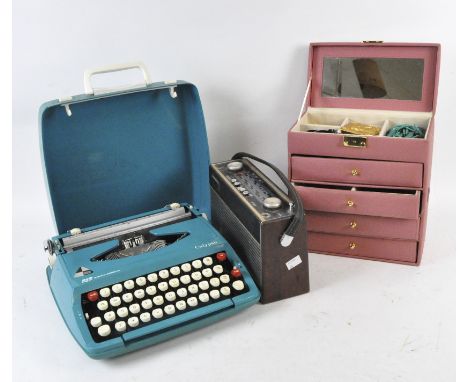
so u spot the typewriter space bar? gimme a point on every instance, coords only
(177, 321)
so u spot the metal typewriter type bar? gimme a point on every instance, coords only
(127, 227)
(188, 291)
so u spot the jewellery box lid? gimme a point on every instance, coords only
(113, 153)
(374, 75)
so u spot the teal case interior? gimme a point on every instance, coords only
(123, 154)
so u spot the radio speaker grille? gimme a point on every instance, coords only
(227, 223)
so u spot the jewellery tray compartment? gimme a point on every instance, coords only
(380, 147)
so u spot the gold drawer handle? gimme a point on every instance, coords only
(353, 225)
(352, 245)
(350, 203)
(354, 172)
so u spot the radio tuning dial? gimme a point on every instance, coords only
(272, 203)
(235, 166)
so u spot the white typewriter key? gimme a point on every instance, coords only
(218, 269)
(181, 305)
(133, 322)
(120, 326)
(158, 300)
(192, 301)
(105, 292)
(226, 291)
(185, 279)
(204, 285)
(141, 281)
(169, 309)
(197, 264)
(204, 297)
(214, 282)
(134, 308)
(207, 272)
(170, 296)
(96, 322)
(109, 316)
(115, 301)
(214, 294)
(151, 290)
(157, 313)
(196, 276)
(147, 304)
(122, 312)
(164, 274)
(224, 278)
(127, 297)
(152, 277)
(207, 261)
(139, 293)
(117, 288)
(102, 305)
(186, 267)
(104, 330)
(175, 271)
(174, 283)
(182, 292)
(129, 284)
(145, 317)
(238, 285)
(163, 286)
(193, 288)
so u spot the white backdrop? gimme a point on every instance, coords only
(363, 321)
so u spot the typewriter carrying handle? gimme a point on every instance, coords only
(115, 68)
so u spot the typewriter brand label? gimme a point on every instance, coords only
(82, 271)
(294, 262)
(207, 245)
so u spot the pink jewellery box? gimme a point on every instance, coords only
(366, 196)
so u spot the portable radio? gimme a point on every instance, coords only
(265, 226)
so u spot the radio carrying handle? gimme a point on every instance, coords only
(288, 234)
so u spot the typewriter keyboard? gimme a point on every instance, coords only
(165, 293)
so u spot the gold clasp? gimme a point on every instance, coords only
(354, 141)
(352, 245)
(353, 225)
(354, 172)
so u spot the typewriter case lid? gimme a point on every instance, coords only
(116, 153)
(374, 75)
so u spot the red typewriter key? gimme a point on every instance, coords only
(93, 296)
(221, 256)
(236, 273)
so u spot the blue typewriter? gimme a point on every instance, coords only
(135, 261)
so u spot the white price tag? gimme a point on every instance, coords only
(294, 262)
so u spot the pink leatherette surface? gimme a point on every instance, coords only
(361, 225)
(397, 174)
(390, 202)
(381, 249)
(391, 205)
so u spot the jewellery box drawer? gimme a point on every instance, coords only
(395, 250)
(361, 225)
(398, 174)
(377, 148)
(403, 204)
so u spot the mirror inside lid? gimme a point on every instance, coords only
(116, 155)
(374, 76)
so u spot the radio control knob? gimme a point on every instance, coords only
(235, 166)
(272, 203)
